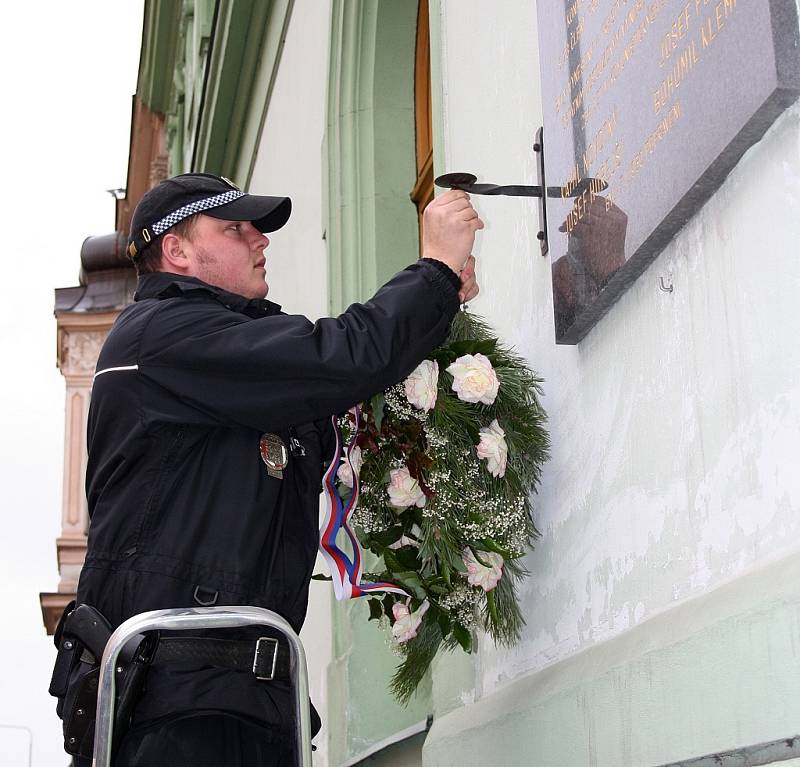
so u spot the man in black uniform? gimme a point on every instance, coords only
(208, 431)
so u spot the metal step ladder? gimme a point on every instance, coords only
(189, 618)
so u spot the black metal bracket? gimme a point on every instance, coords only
(466, 182)
(541, 235)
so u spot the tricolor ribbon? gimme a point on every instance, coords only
(346, 572)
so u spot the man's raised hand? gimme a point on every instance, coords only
(449, 224)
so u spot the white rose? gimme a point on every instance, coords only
(407, 622)
(478, 574)
(494, 449)
(474, 379)
(422, 384)
(406, 540)
(344, 472)
(404, 490)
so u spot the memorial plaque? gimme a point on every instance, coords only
(648, 105)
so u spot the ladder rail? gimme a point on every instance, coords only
(200, 618)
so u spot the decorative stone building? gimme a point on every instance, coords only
(84, 315)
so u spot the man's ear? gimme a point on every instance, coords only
(173, 259)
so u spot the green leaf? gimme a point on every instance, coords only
(411, 582)
(444, 569)
(378, 404)
(408, 557)
(463, 637)
(486, 347)
(375, 609)
(363, 538)
(321, 577)
(489, 545)
(410, 577)
(492, 605)
(437, 585)
(479, 557)
(387, 537)
(418, 656)
(444, 357)
(445, 624)
(391, 561)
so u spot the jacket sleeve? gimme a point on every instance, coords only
(281, 370)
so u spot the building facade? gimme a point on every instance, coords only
(663, 623)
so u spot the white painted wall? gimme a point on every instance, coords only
(288, 162)
(676, 422)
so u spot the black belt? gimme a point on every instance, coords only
(267, 657)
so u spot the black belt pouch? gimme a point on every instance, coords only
(81, 637)
(74, 684)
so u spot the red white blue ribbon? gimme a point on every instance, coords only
(345, 571)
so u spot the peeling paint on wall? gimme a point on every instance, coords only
(676, 422)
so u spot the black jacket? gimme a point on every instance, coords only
(182, 509)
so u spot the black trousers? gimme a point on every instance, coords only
(208, 740)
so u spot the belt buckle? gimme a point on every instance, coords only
(260, 655)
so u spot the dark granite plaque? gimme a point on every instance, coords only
(648, 105)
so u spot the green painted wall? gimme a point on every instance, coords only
(369, 153)
(209, 65)
(369, 162)
(715, 673)
(360, 710)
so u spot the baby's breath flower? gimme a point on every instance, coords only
(397, 403)
(462, 603)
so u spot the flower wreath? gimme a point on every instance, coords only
(436, 478)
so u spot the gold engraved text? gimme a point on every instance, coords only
(655, 138)
(589, 157)
(676, 75)
(676, 35)
(716, 21)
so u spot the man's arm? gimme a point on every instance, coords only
(282, 370)
(216, 366)
(448, 233)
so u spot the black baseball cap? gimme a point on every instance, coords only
(182, 196)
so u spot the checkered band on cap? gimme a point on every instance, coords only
(194, 207)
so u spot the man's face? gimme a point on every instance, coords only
(228, 254)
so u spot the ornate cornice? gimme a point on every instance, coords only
(79, 338)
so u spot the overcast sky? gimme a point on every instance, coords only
(68, 75)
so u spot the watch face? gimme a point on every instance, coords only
(273, 452)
